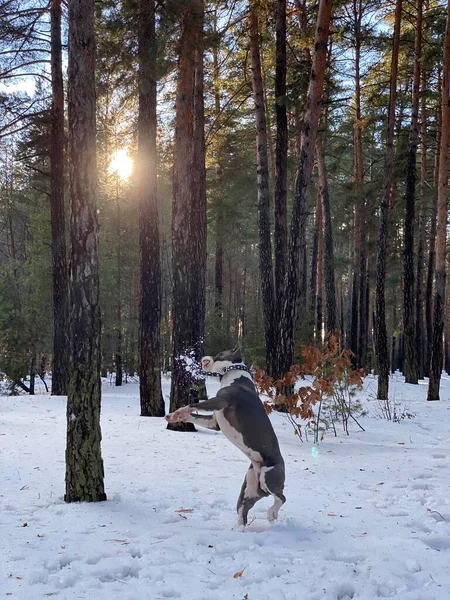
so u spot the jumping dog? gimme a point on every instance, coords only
(239, 413)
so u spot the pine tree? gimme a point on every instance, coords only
(84, 464)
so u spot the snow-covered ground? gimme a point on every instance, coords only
(367, 518)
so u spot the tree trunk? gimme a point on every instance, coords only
(262, 180)
(381, 345)
(432, 242)
(409, 323)
(313, 274)
(188, 215)
(84, 465)
(151, 399)
(421, 334)
(280, 233)
(118, 353)
(218, 282)
(441, 230)
(60, 272)
(358, 171)
(33, 362)
(328, 251)
(319, 292)
(294, 275)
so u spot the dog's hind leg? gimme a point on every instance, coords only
(251, 492)
(272, 481)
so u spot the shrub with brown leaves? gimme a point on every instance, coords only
(333, 388)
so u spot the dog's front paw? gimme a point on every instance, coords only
(180, 415)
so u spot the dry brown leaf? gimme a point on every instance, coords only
(381, 483)
(25, 524)
(331, 515)
(239, 573)
(185, 510)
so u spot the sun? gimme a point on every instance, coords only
(121, 164)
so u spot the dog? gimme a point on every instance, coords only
(239, 413)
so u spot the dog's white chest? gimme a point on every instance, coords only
(236, 437)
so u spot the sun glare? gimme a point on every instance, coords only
(121, 164)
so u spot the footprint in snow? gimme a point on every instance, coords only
(438, 543)
(345, 591)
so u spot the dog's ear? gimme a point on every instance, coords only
(236, 354)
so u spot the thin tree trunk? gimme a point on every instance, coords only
(319, 293)
(409, 323)
(188, 215)
(262, 179)
(84, 464)
(294, 275)
(313, 271)
(359, 192)
(328, 251)
(218, 282)
(151, 399)
(33, 362)
(432, 242)
(280, 233)
(60, 273)
(421, 335)
(381, 345)
(118, 352)
(441, 230)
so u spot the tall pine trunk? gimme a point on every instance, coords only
(262, 180)
(381, 344)
(188, 214)
(280, 233)
(60, 273)
(328, 251)
(432, 242)
(411, 371)
(441, 229)
(421, 334)
(151, 399)
(84, 464)
(294, 274)
(359, 191)
(118, 359)
(218, 270)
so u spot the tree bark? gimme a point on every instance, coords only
(381, 345)
(294, 275)
(441, 230)
(151, 399)
(262, 180)
(421, 334)
(84, 465)
(118, 359)
(359, 192)
(409, 323)
(432, 242)
(328, 250)
(319, 292)
(218, 281)
(189, 214)
(280, 233)
(60, 273)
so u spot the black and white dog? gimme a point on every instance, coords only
(239, 413)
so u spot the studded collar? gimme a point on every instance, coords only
(225, 370)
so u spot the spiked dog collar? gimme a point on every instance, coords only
(225, 370)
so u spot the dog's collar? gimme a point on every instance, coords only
(225, 370)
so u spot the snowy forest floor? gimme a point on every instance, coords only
(367, 518)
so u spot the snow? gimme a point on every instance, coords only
(367, 517)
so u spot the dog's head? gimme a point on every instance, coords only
(224, 359)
